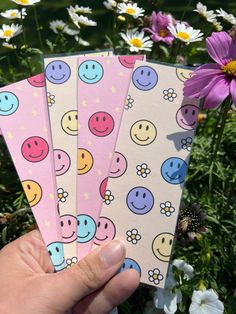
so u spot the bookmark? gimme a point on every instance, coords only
(61, 82)
(102, 89)
(155, 140)
(25, 126)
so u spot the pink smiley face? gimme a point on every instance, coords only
(186, 117)
(129, 61)
(35, 149)
(68, 228)
(101, 124)
(62, 162)
(106, 231)
(118, 165)
(37, 80)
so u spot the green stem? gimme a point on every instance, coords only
(25, 43)
(38, 28)
(215, 132)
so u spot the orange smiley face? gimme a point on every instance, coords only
(85, 161)
(33, 192)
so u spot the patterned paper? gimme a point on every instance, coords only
(102, 90)
(155, 139)
(61, 74)
(25, 126)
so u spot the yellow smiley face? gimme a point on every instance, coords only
(183, 74)
(162, 246)
(69, 122)
(85, 161)
(143, 132)
(33, 192)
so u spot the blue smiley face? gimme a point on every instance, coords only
(90, 72)
(8, 103)
(129, 263)
(140, 200)
(57, 72)
(55, 250)
(174, 170)
(86, 229)
(145, 78)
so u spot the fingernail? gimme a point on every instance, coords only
(112, 253)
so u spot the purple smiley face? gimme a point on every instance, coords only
(186, 117)
(145, 78)
(140, 200)
(57, 72)
(62, 162)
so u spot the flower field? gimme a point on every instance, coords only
(202, 274)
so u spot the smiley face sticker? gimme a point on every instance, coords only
(33, 192)
(101, 124)
(143, 132)
(62, 161)
(129, 61)
(37, 80)
(85, 161)
(129, 263)
(145, 78)
(86, 228)
(56, 253)
(9, 103)
(140, 200)
(90, 72)
(35, 149)
(183, 74)
(57, 72)
(174, 170)
(106, 231)
(162, 246)
(68, 228)
(69, 122)
(118, 165)
(186, 117)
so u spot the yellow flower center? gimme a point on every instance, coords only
(133, 236)
(24, 1)
(142, 170)
(130, 11)
(183, 35)
(106, 197)
(60, 195)
(166, 209)
(229, 68)
(155, 276)
(163, 32)
(136, 42)
(8, 33)
(13, 14)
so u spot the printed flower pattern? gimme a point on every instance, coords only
(155, 276)
(167, 209)
(169, 94)
(187, 143)
(143, 170)
(133, 236)
(71, 261)
(62, 195)
(51, 99)
(129, 102)
(108, 198)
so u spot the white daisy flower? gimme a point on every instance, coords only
(133, 236)
(57, 26)
(51, 99)
(81, 20)
(226, 16)
(201, 9)
(155, 276)
(206, 302)
(71, 261)
(69, 31)
(130, 9)
(62, 195)
(108, 198)
(25, 2)
(187, 34)
(167, 209)
(78, 9)
(169, 94)
(187, 143)
(9, 46)
(110, 4)
(9, 31)
(129, 102)
(137, 41)
(82, 42)
(14, 14)
(217, 26)
(143, 170)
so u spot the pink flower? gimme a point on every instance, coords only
(215, 81)
(158, 27)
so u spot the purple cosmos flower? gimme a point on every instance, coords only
(215, 81)
(158, 27)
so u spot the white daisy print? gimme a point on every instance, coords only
(108, 198)
(169, 94)
(143, 170)
(187, 143)
(51, 99)
(129, 102)
(167, 208)
(133, 236)
(71, 261)
(155, 276)
(62, 195)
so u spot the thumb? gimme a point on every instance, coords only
(69, 286)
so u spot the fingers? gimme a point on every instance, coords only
(69, 286)
(116, 291)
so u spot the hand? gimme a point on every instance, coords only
(29, 285)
